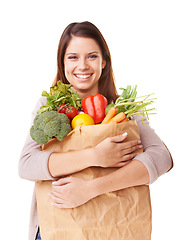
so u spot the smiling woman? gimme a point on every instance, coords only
(84, 60)
(83, 63)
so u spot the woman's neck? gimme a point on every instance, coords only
(86, 92)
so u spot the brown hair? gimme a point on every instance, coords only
(86, 29)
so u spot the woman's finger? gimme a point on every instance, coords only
(128, 157)
(61, 181)
(130, 144)
(57, 194)
(119, 138)
(56, 199)
(131, 149)
(60, 205)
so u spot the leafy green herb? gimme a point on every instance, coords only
(132, 105)
(60, 94)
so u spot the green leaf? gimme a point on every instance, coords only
(43, 109)
(45, 94)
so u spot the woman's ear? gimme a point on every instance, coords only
(103, 64)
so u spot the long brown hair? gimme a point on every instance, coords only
(86, 29)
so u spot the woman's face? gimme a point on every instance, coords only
(83, 64)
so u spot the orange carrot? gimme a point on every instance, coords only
(125, 120)
(118, 118)
(111, 113)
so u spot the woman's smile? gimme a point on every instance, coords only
(83, 77)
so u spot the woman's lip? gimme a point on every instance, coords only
(83, 76)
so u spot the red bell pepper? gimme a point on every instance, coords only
(94, 105)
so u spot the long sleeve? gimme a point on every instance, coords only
(33, 163)
(156, 157)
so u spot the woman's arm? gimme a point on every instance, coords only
(133, 174)
(33, 162)
(156, 157)
(112, 152)
(62, 164)
(72, 192)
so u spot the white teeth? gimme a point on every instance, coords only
(83, 76)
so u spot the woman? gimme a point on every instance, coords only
(84, 61)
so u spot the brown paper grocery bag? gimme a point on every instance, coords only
(124, 214)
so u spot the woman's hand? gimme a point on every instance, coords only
(115, 152)
(70, 192)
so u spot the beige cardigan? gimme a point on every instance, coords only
(33, 164)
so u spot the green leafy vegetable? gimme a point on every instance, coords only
(131, 105)
(60, 94)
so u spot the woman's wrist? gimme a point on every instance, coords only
(90, 157)
(96, 187)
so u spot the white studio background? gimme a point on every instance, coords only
(147, 40)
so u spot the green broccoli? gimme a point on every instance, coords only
(48, 125)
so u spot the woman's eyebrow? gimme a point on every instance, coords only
(93, 52)
(72, 53)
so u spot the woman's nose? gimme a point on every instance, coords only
(83, 64)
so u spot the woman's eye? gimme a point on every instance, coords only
(72, 57)
(93, 56)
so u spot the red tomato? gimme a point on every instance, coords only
(62, 108)
(71, 112)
